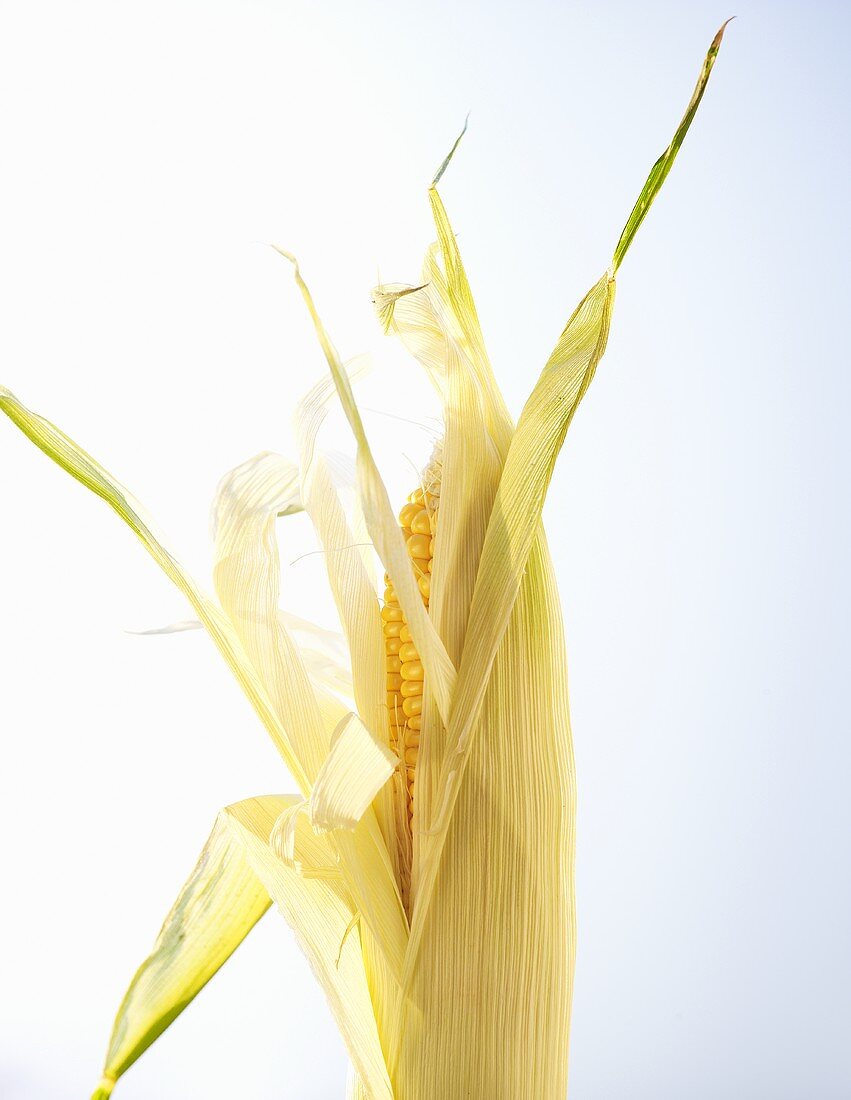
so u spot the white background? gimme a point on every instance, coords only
(698, 517)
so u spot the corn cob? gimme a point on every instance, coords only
(418, 520)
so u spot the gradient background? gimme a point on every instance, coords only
(698, 516)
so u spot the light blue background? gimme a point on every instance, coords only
(698, 517)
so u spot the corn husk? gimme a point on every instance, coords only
(462, 987)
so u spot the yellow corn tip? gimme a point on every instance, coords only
(418, 520)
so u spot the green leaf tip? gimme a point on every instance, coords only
(660, 170)
(439, 173)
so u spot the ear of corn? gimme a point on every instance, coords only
(426, 864)
(405, 673)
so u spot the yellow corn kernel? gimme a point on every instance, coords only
(418, 546)
(409, 688)
(413, 705)
(412, 670)
(408, 513)
(421, 524)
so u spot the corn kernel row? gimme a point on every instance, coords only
(404, 668)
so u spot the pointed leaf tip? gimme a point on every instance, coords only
(451, 153)
(384, 299)
(660, 170)
(287, 255)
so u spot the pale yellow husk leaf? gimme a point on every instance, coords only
(498, 938)
(236, 879)
(77, 462)
(321, 913)
(219, 905)
(513, 529)
(247, 577)
(354, 594)
(355, 770)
